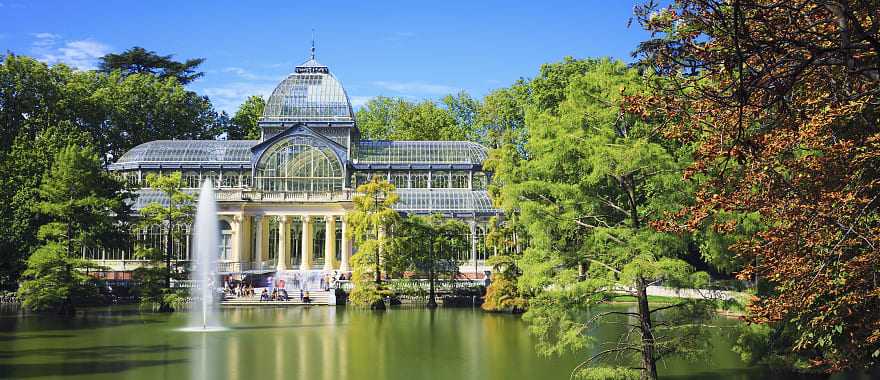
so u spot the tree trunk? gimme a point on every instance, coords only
(379, 236)
(168, 246)
(67, 304)
(649, 361)
(432, 302)
(164, 307)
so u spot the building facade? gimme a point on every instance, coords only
(282, 199)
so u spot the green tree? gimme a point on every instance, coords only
(138, 60)
(43, 109)
(397, 119)
(464, 110)
(503, 294)
(243, 125)
(375, 118)
(550, 87)
(85, 207)
(501, 116)
(156, 274)
(370, 222)
(427, 244)
(139, 108)
(592, 181)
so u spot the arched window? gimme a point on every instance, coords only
(191, 180)
(230, 179)
(482, 252)
(481, 181)
(419, 180)
(213, 176)
(459, 180)
(439, 180)
(400, 180)
(299, 164)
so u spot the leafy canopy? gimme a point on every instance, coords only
(84, 207)
(370, 221)
(138, 60)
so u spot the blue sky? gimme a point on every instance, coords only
(416, 50)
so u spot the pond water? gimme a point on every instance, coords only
(301, 343)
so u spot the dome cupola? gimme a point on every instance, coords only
(311, 94)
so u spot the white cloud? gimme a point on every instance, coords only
(81, 54)
(45, 39)
(359, 101)
(229, 96)
(249, 75)
(411, 88)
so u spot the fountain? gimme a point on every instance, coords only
(207, 232)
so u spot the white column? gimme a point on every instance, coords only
(346, 246)
(283, 243)
(244, 241)
(235, 239)
(259, 250)
(306, 243)
(329, 242)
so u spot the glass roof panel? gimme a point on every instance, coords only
(190, 151)
(444, 201)
(422, 152)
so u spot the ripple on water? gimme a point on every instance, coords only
(202, 329)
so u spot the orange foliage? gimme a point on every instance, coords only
(782, 100)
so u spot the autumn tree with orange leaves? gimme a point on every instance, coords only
(783, 99)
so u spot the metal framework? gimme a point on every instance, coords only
(420, 152)
(311, 94)
(299, 164)
(189, 151)
(445, 201)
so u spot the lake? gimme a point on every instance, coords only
(318, 342)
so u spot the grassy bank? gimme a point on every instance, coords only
(734, 307)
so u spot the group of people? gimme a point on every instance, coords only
(280, 294)
(329, 280)
(276, 289)
(238, 289)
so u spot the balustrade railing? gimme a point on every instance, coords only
(415, 286)
(246, 266)
(281, 196)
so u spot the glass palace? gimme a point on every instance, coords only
(282, 198)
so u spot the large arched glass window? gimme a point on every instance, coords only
(299, 164)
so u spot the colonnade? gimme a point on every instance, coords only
(251, 241)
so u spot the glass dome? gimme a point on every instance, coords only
(311, 93)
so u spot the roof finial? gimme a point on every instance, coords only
(313, 44)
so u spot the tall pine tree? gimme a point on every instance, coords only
(85, 207)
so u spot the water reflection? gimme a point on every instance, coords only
(305, 343)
